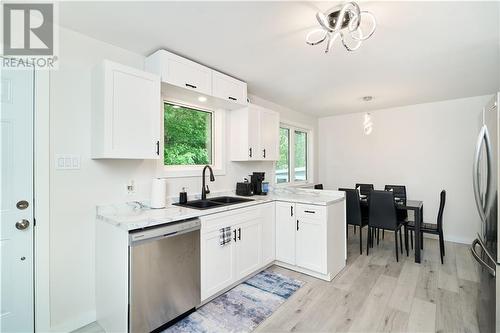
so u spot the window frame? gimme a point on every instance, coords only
(291, 156)
(218, 138)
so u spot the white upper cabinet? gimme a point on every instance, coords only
(180, 71)
(254, 134)
(226, 87)
(126, 113)
(186, 80)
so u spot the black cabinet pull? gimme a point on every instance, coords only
(234, 235)
(250, 152)
(297, 225)
(310, 212)
(264, 153)
(190, 86)
(158, 148)
(239, 233)
(291, 210)
(232, 98)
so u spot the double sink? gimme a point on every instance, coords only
(213, 202)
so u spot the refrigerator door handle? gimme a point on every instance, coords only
(489, 197)
(476, 175)
(478, 258)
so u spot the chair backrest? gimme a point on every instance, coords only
(318, 186)
(365, 188)
(399, 192)
(382, 211)
(442, 202)
(353, 207)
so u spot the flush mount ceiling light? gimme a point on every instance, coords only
(345, 21)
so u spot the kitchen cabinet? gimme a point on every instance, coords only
(126, 113)
(310, 243)
(285, 232)
(228, 88)
(180, 71)
(251, 236)
(254, 134)
(248, 247)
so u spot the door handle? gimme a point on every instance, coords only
(264, 153)
(239, 233)
(234, 235)
(478, 258)
(190, 86)
(232, 98)
(250, 152)
(297, 225)
(476, 174)
(22, 224)
(158, 148)
(291, 210)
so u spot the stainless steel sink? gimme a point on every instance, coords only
(213, 202)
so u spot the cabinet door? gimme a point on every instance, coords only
(228, 88)
(285, 232)
(248, 248)
(217, 270)
(254, 153)
(311, 244)
(188, 74)
(269, 135)
(268, 233)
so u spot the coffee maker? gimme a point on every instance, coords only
(256, 179)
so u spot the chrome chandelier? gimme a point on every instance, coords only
(344, 21)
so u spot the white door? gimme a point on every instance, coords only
(248, 248)
(16, 225)
(269, 135)
(285, 232)
(217, 271)
(311, 244)
(253, 134)
(268, 233)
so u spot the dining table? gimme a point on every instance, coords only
(417, 206)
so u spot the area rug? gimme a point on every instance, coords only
(242, 308)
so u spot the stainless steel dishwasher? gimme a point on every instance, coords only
(164, 273)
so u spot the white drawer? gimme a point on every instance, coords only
(311, 211)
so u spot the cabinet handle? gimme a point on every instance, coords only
(264, 153)
(234, 235)
(158, 148)
(190, 86)
(291, 210)
(239, 233)
(297, 225)
(310, 211)
(250, 152)
(232, 98)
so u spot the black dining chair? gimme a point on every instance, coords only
(353, 213)
(431, 228)
(383, 216)
(318, 186)
(364, 189)
(399, 192)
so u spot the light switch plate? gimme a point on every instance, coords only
(67, 162)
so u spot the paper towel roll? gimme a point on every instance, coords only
(158, 193)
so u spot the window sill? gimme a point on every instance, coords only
(186, 172)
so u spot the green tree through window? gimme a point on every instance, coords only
(188, 136)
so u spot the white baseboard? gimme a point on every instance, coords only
(74, 323)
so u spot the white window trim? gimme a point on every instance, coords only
(310, 155)
(218, 149)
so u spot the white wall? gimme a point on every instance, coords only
(74, 194)
(427, 147)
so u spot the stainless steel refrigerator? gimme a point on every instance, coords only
(484, 247)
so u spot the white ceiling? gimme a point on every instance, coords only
(421, 51)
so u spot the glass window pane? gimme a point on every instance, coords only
(188, 136)
(300, 155)
(283, 165)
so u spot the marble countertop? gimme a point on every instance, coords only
(132, 215)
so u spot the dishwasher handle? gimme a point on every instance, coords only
(164, 231)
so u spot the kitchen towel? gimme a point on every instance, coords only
(224, 236)
(158, 193)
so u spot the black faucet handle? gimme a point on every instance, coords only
(207, 190)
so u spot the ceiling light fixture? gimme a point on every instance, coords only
(344, 20)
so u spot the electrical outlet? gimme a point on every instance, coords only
(67, 162)
(130, 187)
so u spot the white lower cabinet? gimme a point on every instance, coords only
(216, 264)
(310, 244)
(285, 232)
(252, 234)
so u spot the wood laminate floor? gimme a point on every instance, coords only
(377, 294)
